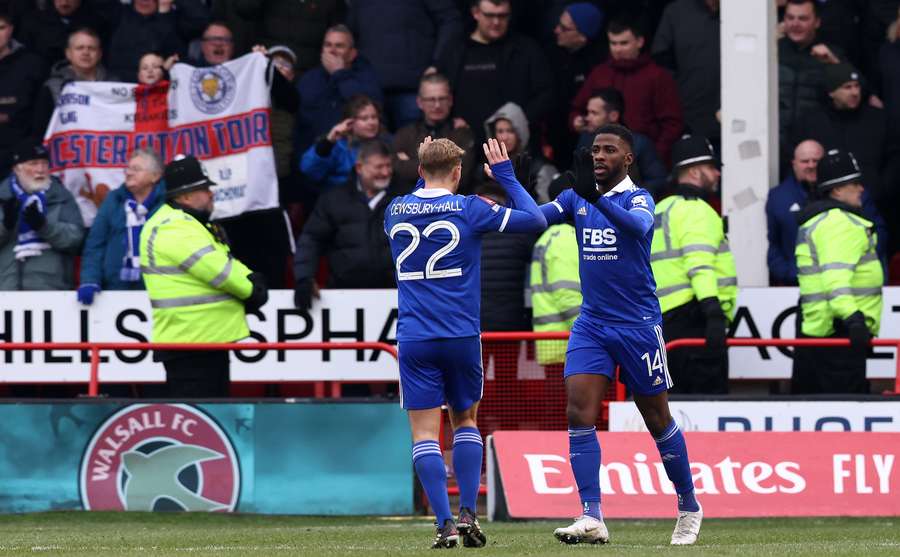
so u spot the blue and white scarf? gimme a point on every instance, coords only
(135, 217)
(28, 242)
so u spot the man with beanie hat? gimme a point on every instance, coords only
(847, 122)
(41, 227)
(840, 281)
(696, 281)
(199, 293)
(577, 50)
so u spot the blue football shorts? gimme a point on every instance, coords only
(433, 372)
(640, 354)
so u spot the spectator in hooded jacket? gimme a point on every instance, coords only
(151, 25)
(436, 102)
(21, 77)
(493, 66)
(41, 227)
(652, 107)
(687, 43)
(45, 31)
(325, 89)
(510, 126)
(330, 161)
(402, 40)
(111, 256)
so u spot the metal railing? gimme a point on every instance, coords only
(96, 347)
(786, 342)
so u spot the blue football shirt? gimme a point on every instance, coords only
(435, 238)
(617, 282)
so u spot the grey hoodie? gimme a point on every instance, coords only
(516, 116)
(543, 171)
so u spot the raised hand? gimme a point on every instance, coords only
(585, 183)
(341, 129)
(495, 151)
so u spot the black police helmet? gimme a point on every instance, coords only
(185, 174)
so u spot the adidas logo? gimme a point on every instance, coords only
(582, 211)
(657, 381)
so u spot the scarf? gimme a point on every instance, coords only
(135, 217)
(28, 242)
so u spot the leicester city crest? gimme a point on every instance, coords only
(212, 89)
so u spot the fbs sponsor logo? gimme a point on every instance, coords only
(159, 457)
(598, 244)
(212, 89)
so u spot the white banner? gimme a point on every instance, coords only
(767, 416)
(220, 114)
(771, 313)
(119, 316)
(368, 315)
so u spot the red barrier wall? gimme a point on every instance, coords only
(736, 474)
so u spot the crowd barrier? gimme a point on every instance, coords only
(787, 342)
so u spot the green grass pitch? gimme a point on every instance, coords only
(80, 533)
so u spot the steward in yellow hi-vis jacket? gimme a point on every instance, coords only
(198, 292)
(555, 289)
(840, 279)
(694, 271)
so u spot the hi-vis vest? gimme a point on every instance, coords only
(194, 284)
(555, 289)
(690, 255)
(838, 270)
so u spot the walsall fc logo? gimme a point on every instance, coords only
(159, 457)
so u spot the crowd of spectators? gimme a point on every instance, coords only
(363, 82)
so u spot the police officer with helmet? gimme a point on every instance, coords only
(696, 282)
(199, 292)
(840, 278)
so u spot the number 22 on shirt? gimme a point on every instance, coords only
(430, 272)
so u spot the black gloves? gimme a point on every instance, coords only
(716, 323)
(34, 217)
(858, 332)
(259, 295)
(522, 168)
(303, 293)
(10, 212)
(585, 183)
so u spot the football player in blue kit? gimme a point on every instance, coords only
(435, 238)
(619, 324)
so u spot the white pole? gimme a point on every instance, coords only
(749, 130)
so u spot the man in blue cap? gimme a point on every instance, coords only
(577, 51)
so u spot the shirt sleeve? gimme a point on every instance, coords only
(485, 215)
(558, 210)
(636, 217)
